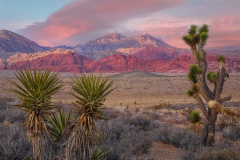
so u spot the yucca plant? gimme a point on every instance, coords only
(57, 123)
(35, 90)
(98, 154)
(90, 92)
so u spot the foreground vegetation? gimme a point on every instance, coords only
(129, 134)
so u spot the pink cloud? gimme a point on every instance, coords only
(84, 20)
(224, 30)
(85, 17)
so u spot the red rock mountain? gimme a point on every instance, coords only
(111, 53)
(69, 61)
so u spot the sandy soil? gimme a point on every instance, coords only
(135, 89)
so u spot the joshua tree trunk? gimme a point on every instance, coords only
(209, 128)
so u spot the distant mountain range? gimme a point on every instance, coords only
(12, 42)
(110, 53)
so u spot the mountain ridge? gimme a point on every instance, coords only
(13, 42)
(110, 53)
(72, 62)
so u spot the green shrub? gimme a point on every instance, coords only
(194, 116)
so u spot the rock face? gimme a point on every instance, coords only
(150, 53)
(68, 61)
(12, 42)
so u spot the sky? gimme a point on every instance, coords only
(72, 22)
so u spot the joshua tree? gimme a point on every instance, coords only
(209, 100)
(90, 92)
(35, 91)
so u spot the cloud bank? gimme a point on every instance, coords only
(82, 19)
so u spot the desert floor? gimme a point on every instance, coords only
(142, 91)
(136, 89)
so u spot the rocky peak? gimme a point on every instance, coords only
(148, 40)
(12, 42)
(110, 38)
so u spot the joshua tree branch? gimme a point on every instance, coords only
(202, 91)
(201, 61)
(214, 90)
(201, 104)
(220, 82)
(224, 99)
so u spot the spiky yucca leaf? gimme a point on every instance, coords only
(192, 90)
(35, 91)
(203, 28)
(212, 77)
(193, 73)
(221, 58)
(90, 92)
(98, 154)
(58, 122)
(204, 36)
(195, 36)
(192, 30)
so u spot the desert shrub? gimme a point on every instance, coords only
(141, 122)
(162, 105)
(222, 123)
(11, 114)
(111, 113)
(2, 116)
(151, 115)
(229, 124)
(124, 137)
(4, 102)
(14, 144)
(14, 114)
(212, 153)
(231, 132)
(154, 115)
(194, 116)
(179, 138)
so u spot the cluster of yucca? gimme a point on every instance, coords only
(46, 127)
